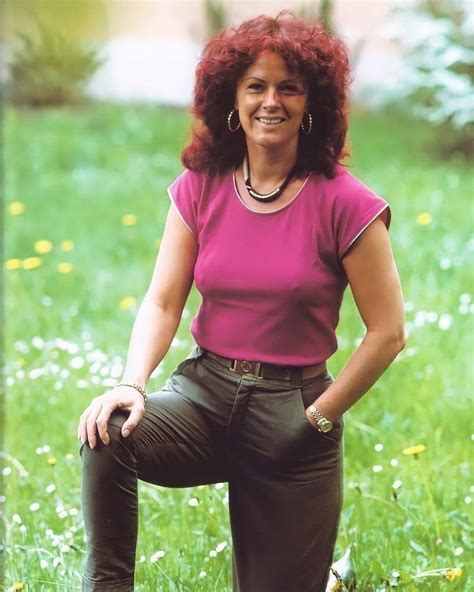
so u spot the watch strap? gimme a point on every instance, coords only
(322, 421)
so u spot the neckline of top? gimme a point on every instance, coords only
(236, 191)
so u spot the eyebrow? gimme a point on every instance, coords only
(282, 82)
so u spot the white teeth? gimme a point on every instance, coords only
(271, 120)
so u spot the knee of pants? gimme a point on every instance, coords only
(119, 449)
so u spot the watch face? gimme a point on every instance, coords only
(325, 425)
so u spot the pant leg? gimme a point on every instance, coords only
(173, 445)
(285, 478)
(285, 491)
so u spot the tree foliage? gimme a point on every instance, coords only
(437, 78)
(215, 16)
(46, 68)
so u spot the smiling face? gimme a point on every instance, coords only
(271, 101)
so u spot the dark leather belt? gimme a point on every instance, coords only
(265, 370)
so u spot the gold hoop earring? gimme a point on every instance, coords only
(231, 129)
(310, 123)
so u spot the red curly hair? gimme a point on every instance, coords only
(308, 50)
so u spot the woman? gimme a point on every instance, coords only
(272, 228)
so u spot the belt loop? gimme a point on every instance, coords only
(296, 376)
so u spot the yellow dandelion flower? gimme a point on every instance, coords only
(129, 220)
(452, 574)
(43, 246)
(18, 587)
(52, 461)
(338, 587)
(413, 450)
(16, 208)
(12, 264)
(64, 267)
(31, 262)
(424, 218)
(127, 302)
(67, 245)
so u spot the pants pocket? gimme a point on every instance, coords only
(193, 355)
(309, 393)
(275, 426)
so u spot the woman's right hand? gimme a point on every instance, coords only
(95, 418)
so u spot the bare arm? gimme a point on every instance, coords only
(375, 284)
(155, 326)
(160, 313)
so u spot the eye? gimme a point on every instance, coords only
(291, 88)
(255, 85)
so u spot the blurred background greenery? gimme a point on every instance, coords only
(85, 202)
(53, 50)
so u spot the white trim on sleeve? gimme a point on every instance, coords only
(362, 230)
(178, 212)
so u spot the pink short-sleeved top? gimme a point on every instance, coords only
(272, 283)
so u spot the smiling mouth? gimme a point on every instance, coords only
(270, 120)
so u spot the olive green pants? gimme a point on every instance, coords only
(210, 425)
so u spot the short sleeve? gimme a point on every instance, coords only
(355, 208)
(185, 193)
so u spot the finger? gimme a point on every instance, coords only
(103, 418)
(81, 428)
(91, 426)
(135, 415)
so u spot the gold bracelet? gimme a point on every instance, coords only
(137, 388)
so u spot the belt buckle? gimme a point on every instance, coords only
(246, 368)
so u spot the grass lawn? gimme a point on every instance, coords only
(73, 175)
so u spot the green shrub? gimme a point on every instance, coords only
(437, 78)
(215, 15)
(320, 11)
(49, 69)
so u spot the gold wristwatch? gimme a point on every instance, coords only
(324, 424)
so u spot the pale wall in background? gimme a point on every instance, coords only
(153, 47)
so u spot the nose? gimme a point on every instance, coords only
(271, 99)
